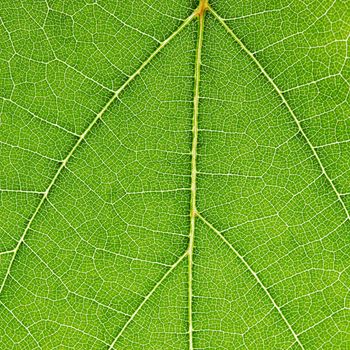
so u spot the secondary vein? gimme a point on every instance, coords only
(289, 108)
(82, 138)
(257, 278)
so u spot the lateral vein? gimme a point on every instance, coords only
(285, 102)
(146, 298)
(82, 138)
(256, 277)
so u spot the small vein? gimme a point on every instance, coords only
(60, 324)
(30, 151)
(128, 25)
(264, 12)
(84, 75)
(7, 252)
(326, 318)
(13, 190)
(256, 276)
(40, 118)
(332, 144)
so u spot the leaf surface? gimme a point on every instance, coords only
(174, 174)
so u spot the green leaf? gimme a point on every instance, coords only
(174, 174)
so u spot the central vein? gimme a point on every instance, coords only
(193, 211)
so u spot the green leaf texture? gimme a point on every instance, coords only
(174, 174)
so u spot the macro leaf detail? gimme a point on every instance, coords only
(175, 174)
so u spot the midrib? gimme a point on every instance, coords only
(193, 211)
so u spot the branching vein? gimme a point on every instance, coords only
(256, 276)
